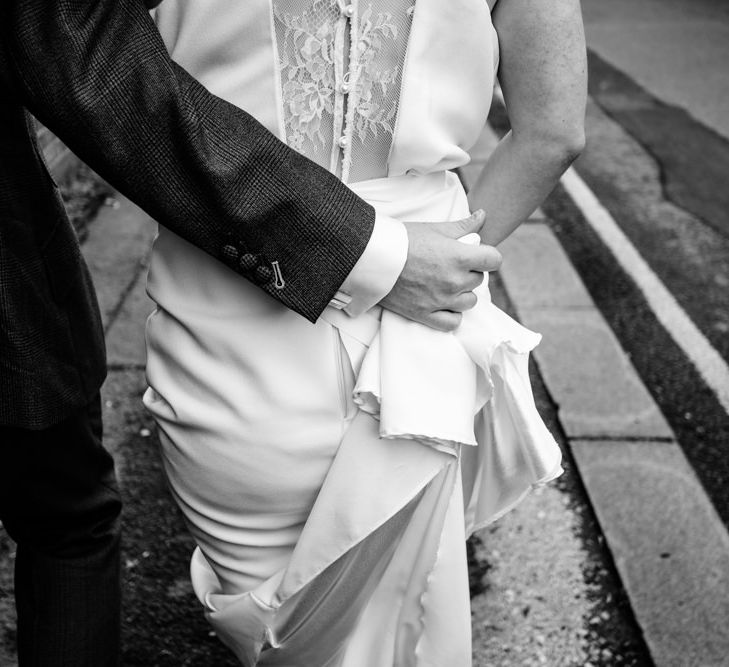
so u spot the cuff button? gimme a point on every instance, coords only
(263, 274)
(230, 253)
(248, 261)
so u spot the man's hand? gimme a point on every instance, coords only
(436, 285)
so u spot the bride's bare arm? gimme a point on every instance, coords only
(543, 75)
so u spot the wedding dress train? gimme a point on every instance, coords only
(331, 472)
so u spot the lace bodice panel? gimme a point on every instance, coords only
(341, 66)
(367, 89)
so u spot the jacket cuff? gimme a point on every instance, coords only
(377, 269)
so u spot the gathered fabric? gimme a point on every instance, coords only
(469, 388)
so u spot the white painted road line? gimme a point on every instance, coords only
(709, 363)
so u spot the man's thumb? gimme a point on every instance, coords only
(457, 228)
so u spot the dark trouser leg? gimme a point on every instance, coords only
(59, 501)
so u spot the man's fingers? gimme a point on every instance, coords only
(464, 301)
(443, 320)
(454, 229)
(475, 278)
(440, 275)
(492, 258)
(481, 258)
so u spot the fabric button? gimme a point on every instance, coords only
(344, 88)
(230, 253)
(263, 274)
(248, 261)
(342, 143)
(348, 11)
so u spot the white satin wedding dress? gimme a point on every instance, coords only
(331, 472)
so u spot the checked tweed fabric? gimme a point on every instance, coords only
(97, 74)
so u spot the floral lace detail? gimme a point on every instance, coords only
(317, 45)
(370, 115)
(307, 66)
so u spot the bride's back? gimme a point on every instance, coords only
(366, 89)
(341, 71)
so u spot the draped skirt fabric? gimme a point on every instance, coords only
(320, 542)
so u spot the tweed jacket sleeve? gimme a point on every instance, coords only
(97, 73)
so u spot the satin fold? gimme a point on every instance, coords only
(468, 388)
(351, 538)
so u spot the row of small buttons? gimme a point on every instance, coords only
(341, 299)
(251, 264)
(344, 88)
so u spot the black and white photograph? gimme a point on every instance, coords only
(364, 333)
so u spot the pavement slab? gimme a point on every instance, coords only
(125, 344)
(668, 544)
(536, 247)
(552, 299)
(589, 376)
(116, 252)
(598, 393)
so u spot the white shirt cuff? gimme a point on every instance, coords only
(377, 269)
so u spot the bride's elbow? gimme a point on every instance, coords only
(572, 143)
(568, 149)
(558, 145)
